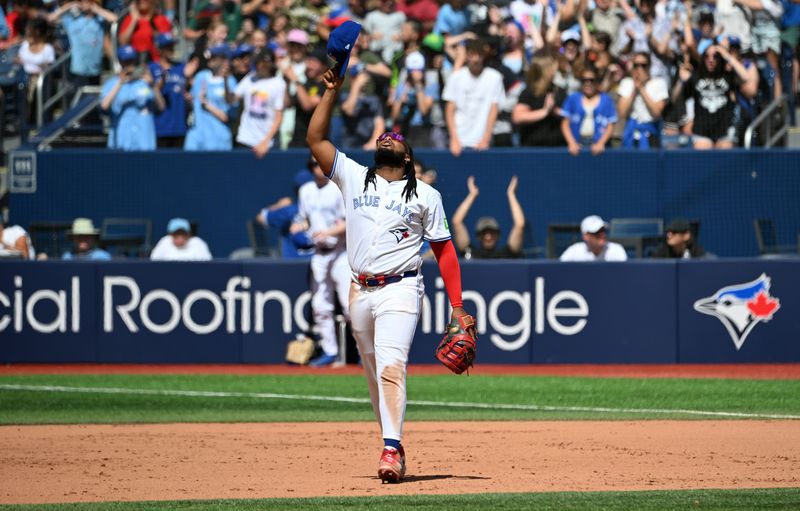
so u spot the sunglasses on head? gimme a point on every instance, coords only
(391, 134)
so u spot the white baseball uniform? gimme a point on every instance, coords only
(322, 207)
(384, 236)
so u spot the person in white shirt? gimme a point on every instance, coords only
(179, 244)
(642, 99)
(15, 242)
(473, 94)
(262, 94)
(321, 213)
(595, 246)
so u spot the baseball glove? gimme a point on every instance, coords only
(457, 349)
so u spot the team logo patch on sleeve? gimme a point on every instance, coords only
(400, 233)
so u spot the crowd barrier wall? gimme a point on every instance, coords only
(737, 310)
(221, 191)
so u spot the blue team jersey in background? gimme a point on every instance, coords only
(85, 34)
(207, 132)
(171, 122)
(132, 120)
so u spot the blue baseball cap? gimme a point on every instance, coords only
(734, 41)
(340, 43)
(164, 39)
(703, 45)
(243, 49)
(127, 53)
(178, 224)
(302, 177)
(220, 50)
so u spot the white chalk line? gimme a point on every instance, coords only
(411, 402)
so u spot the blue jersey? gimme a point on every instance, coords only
(171, 122)
(85, 34)
(293, 246)
(132, 121)
(207, 132)
(604, 114)
(95, 254)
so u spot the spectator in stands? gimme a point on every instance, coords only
(487, 229)
(513, 52)
(307, 94)
(712, 87)
(15, 242)
(766, 16)
(214, 103)
(170, 78)
(141, 25)
(258, 40)
(293, 63)
(263, 95)
(131, 100)
(423, 11)
(747, 92)
(308, 14)
(570, 62)
(84, 237)
(416, 109)
(537, 114)
(214, 35)
(241, 61)
(362, 118)
(473, 94)
(589, 116)
(595, 246)
(180, 244)
(229, 12)
(679, 243)
(634, 34)
(281, 215)
(452, 19)
(384, 25)
(641, 102)
(607, 17)
(85, 24)
(36, 53)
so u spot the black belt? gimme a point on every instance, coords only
(382, 280)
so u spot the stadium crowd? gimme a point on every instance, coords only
(459, 75)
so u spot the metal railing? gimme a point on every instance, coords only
(44, 88)
(772, 122)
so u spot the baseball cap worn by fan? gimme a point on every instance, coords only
(593, 224)
(415, 61)
(297, 35)
(570, 35)
(220, 50)
(126, 53)
(340, 43)
(178, 224)
(486, 223)
(164, 39)
(678, 225)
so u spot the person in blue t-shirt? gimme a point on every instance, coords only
(171, 78)
(84, 242)
(131, 101)
(589, 116)
(214, 104)
(84, 23)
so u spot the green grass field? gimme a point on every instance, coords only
(72, 399)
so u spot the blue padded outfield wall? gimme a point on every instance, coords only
(725, 190)
(736, 310)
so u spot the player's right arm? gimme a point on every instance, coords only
(322, 149)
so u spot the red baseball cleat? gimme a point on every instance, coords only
(392, 466)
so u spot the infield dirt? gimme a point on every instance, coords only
(47, 464)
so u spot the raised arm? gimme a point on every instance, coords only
(460, 232)
(517, 230)
(324, 152)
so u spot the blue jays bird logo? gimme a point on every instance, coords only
(400, 233)
(741, 307)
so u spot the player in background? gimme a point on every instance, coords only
(388, 214)
(321, 212)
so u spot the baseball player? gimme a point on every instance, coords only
(388, 214)
(321, 210)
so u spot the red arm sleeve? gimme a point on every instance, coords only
(450, 270)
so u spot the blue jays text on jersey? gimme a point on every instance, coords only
(374, 201)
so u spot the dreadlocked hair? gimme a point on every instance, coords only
(409, 174)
